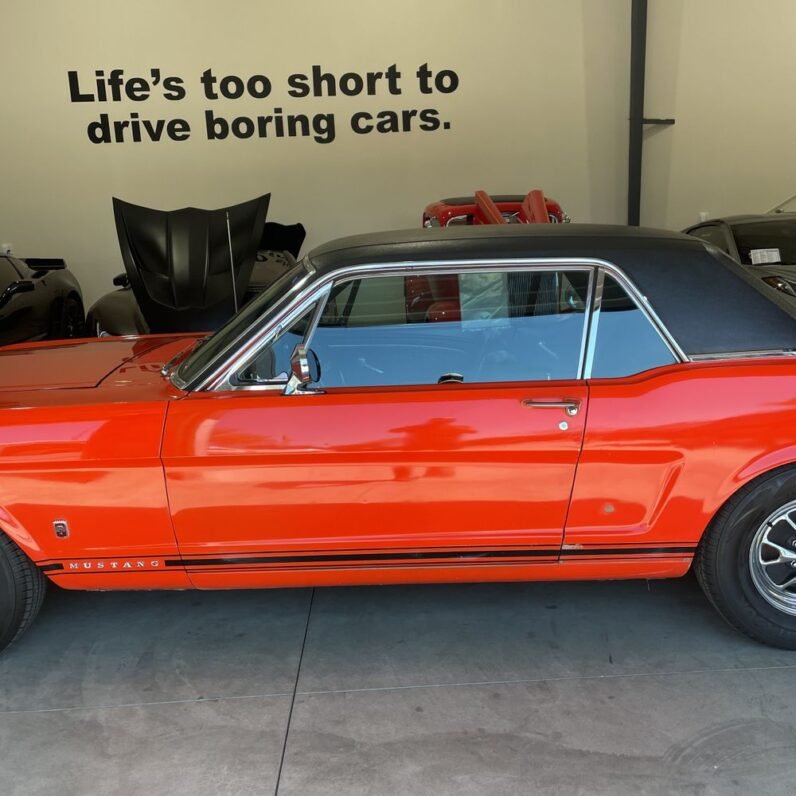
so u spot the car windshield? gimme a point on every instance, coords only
(757, 236)
(243, 324)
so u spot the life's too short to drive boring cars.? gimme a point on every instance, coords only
(477, 403)
(278, 123)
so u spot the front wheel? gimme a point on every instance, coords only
(746, 562)
(22, 588)
(70, 321)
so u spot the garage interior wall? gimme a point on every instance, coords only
(717, 67)
(542, 102)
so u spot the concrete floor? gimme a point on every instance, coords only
(607, 688)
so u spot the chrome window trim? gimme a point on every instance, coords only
(588, 311)
(233, 378)
(223, 377)
(251, 350)
(541, 267)
(220, 379)
(730, 355)
(643, 304)
(212, 367)
(594, 322)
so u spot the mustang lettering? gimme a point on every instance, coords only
(84, 565)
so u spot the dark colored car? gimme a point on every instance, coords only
(39, 298)
(191, 269)
(766, 244)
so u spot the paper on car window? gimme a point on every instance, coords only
(483, 296)
(764, 256)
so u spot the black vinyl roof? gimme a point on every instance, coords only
(709, 303)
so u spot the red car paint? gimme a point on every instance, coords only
(165, 489)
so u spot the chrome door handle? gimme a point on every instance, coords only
(571, 407)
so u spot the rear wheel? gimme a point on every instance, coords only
(746, 562)
(22, 588)
(70, 321)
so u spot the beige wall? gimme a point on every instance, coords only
(541, 103)
(724, 69)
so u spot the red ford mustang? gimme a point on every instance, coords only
(539, 402)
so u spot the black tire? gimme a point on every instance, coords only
(724, 564)
(70, 321)
(22, 588)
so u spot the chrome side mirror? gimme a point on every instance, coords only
(305, 368)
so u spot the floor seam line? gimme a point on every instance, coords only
(193, 701)
(375, 689)
(541, 680)
(293, 697)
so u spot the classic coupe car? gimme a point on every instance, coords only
(39, 298)
(766, 244)
(493, 403)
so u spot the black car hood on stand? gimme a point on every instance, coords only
(178, 261)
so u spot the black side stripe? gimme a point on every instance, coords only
(462, 555)
(622, 551)
(241, 562)
(456, 555)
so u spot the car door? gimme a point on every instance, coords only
(443, 429)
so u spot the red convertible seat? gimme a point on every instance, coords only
(445, 287)
(417, 293)
(444, 311)
(422, 292)
(534, 209)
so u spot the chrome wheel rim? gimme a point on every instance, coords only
(772, 559)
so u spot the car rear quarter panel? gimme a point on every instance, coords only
(663, 451)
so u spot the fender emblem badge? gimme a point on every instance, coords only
(61, 528)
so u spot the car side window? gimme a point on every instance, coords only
(496, 326)
(625, 341)
(272, 364)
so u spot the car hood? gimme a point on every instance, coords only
(775, 269)
(78, 364)
(187, 266)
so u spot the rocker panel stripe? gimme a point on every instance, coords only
(405, 558)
